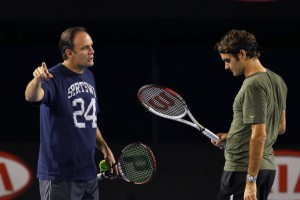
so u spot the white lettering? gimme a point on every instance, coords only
(80, 87)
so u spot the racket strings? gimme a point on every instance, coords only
(137, 163)
(163, 101)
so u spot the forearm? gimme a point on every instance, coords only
(282, 124)
(108, 155)
(34, 91)
(101, 143)
(256, 149)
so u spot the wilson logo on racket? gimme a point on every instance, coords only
(163, 100)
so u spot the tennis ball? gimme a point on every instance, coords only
(103, 166)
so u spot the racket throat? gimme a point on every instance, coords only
(195, 124)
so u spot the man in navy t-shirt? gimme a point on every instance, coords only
(68, 121)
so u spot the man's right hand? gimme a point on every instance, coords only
(222, 137)
(42, 73)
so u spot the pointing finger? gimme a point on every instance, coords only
(44, 65)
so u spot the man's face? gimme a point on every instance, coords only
(236, 66)
(83, 50)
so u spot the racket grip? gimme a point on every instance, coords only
(105, 175)
(101, 176)
(212, 136)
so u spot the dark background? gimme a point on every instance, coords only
(140, 42)
(136, 43)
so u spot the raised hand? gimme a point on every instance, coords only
(42, 72)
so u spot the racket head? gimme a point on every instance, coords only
(162, 101)
(137, 163)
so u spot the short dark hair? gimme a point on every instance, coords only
(235, 40)
(66, 40)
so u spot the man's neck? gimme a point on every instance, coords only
(253, 66)
(73, 67)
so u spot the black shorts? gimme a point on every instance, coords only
(65, 190)
(233, 185)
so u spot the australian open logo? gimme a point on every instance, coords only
(287, 181)
(15, 176)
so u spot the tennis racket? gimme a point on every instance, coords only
(166, 103)
(136, 164)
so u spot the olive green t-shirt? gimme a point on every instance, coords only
(261, 100)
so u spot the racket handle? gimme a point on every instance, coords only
(101, 176)
(105, 175)
(212, 136)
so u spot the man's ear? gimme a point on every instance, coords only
(243, 53)
(69, 53)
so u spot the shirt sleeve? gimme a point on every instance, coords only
(255, 105)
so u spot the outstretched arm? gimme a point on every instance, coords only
(34, 91)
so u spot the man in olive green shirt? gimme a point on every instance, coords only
(259, 116)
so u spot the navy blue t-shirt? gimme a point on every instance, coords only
(68, 115)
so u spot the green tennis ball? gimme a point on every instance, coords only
(103, 166)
